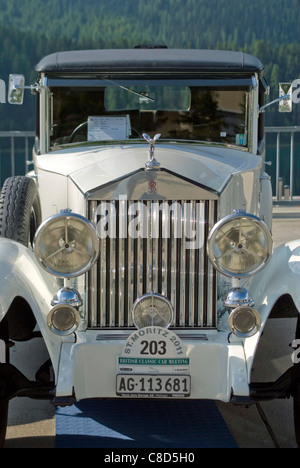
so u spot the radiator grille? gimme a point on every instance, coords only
(152, 246)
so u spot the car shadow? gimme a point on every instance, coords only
(142, 424)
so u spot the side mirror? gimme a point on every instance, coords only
(285, 92)
(16, 89)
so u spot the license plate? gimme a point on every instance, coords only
(147, 385)
(2, 352)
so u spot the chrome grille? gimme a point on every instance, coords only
(153, 254)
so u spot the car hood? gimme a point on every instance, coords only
(209, 166)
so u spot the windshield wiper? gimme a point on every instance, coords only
(143, 95)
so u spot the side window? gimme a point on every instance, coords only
(222, 114)
(71, 108)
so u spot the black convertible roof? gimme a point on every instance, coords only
(152, 60)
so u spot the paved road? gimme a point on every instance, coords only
(32, 423)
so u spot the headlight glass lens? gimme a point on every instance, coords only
(244, 321)
(66, 245)
(240, 245)
(152, 309)
(63, 319)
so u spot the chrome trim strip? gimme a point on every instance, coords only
(92, 275)
(211, 272)
(182, 336)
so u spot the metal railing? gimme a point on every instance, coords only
(9, 147)
(286, 191)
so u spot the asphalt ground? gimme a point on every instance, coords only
(31, 423)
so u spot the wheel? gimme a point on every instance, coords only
(80, 129)
(296, 396)
(3, 403)
(20, 209)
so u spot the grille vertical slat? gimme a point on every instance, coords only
(131, 282)
(159, 260)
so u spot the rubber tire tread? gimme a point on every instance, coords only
(18, 199)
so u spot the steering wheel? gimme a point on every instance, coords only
(78, 129)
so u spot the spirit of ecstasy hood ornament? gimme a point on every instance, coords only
(152, 161)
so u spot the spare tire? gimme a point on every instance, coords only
(20, 209)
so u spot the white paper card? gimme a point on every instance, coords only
(108, 128)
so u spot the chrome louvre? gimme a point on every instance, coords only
(157, 246)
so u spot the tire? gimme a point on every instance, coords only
(3, 403)
(20, 216)
(20, 210)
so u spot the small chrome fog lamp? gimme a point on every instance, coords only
(152, 309)
(67, 296)
(63, 319)
(238, 297)
(240, 245)
(66, 244)
(244, 321)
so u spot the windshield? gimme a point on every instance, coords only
(117, 110)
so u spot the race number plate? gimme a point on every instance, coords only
(153, 363)
(144, 385)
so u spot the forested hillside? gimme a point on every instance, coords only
(190, 23)
(33, 28)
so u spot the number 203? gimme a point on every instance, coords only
(153, 347)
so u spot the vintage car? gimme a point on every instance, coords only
(140, 245)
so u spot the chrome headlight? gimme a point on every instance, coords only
(66, 244)
(63, 319)
(240, 245)
(244, 321)
(152, 309)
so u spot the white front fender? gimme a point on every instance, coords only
(22, 276)
(280, 277)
